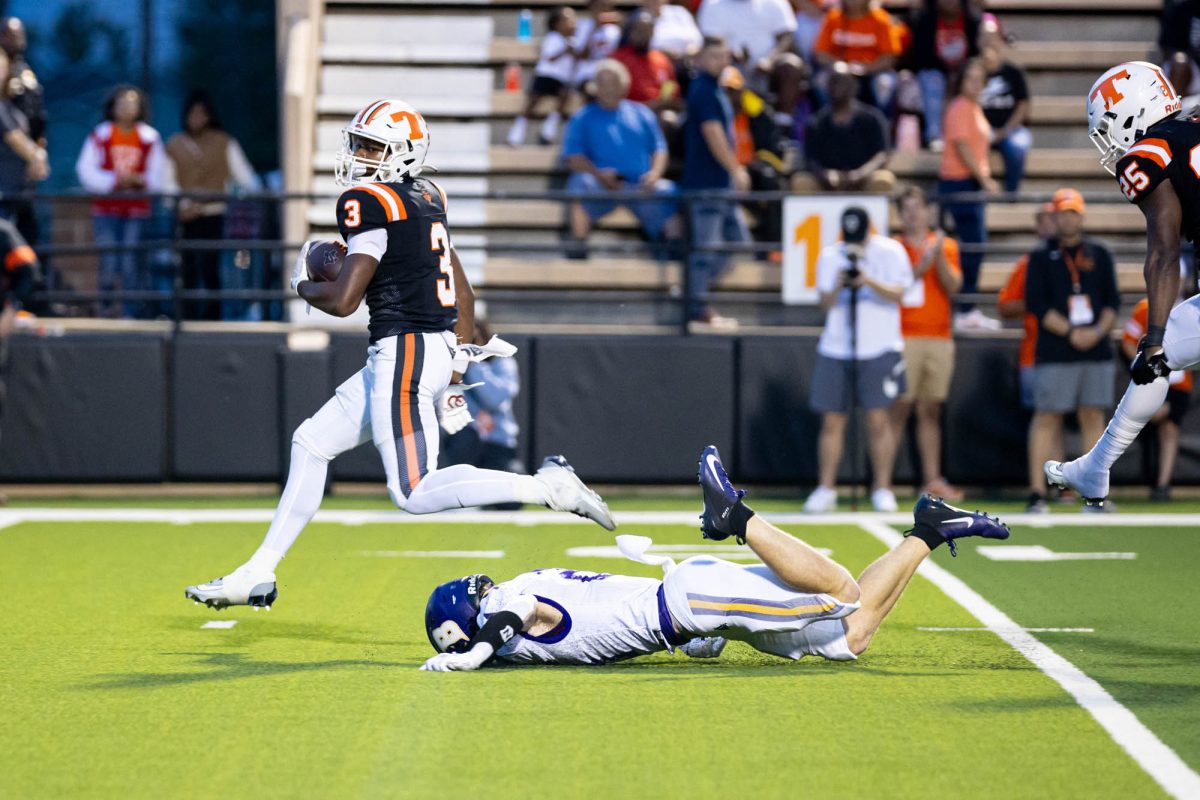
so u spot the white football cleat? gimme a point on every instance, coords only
(242, 587)
(568, 493)
(1070, 475)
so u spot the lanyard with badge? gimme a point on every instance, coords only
(1079, 305)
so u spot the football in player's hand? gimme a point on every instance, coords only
(325, 260)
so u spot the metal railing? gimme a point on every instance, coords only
(167, 295)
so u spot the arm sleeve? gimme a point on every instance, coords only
(359, 211)
(373, 243)
(88, 169)
(155, 166)
(1037, 300)
(243, 175)
(573, 136)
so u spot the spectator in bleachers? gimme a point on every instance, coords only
(490, 441)
(810, 17)
(1179, 396)
(1011, 305)
(204, 158)
(24, 90)
(846, 144)
(883, 274)
(23, 162)
(865, 39)
(925, 322)
(1005, 102)
(758, 143)
(675, 30)
(945, 35)
(1071, 287)
(1179, 41)
(122, 156)
(710, 163)
(615, 144)
(651, 74)
(553, 78)
(759, 35)
(965, 169)
(596, 38)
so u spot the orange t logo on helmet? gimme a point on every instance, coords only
(1108, 90)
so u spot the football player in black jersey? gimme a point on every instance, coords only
(400, 260)
(1135, 118)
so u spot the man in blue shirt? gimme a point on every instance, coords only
(710, 163)
(614, 144)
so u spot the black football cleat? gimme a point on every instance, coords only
(722, 503)
(934, 515)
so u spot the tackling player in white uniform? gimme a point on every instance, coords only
(422, 318)
(1136, 119)
(797, 602)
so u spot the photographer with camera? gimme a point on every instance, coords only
(859, 366)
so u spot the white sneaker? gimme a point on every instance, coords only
(821, 501)
(975, 320)
(569, 493)
(1071, 475)
(242, 587)
(516, 134)
(883, 500)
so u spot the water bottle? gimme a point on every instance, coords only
(512, 77)
(525, 25)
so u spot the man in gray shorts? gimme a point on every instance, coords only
(879, 268)
(1071, 287)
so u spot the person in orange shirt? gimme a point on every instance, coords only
(867, 39)
(1179, 395)
(1011, 305)
(925, 324)
(965, 169)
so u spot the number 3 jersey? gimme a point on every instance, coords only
(405, 222)
(1169, 150)
(605, 617)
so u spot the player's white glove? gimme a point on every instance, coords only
(451, 662)
(300, 268)
(453, 413)
(704, 648)
(464, 354)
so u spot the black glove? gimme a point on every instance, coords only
(1148, 368)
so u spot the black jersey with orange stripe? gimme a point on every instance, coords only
(413, 287)
(1168, 150)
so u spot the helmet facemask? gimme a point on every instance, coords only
(1110, 150)
(398, 159)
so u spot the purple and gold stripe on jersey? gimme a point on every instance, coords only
(799, 607)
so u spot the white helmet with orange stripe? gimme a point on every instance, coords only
(393, 129)
(1123, 103)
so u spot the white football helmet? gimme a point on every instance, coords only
(397, 126)
(1123, 103)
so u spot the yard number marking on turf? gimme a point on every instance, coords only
(220, 623)
(1158, 760)
(1037, 552)
(434, 553)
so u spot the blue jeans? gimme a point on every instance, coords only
(933, 101)
(122, 267)
(970, 227)
(652, 212)
(713, 222)
(1012, 150)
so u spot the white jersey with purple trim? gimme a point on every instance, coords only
(606, 617)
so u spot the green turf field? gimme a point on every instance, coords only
(110, 685)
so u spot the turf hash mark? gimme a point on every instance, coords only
(1158, 760)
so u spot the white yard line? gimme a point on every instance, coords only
(1158, 760)
(434, 553)
(1030, 630)
(185, 516)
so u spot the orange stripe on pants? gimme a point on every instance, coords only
(406, 426)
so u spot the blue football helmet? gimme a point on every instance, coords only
(451, 612)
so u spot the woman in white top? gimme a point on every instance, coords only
(675, 29)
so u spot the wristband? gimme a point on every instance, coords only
(1154, 336)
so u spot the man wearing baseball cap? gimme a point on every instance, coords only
(1071, 288)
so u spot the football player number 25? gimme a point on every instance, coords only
(439, 242)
